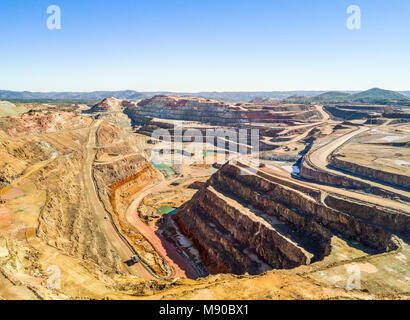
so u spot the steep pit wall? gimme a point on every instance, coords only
(187, 109)
(343, 112)
(393, 220)
(211, 111)
(389, 177)
(312, 173)
(234, 215)
(218, 251)
(234, 231)
(257, 193)
(342, 223)
(314, 193)
(397, 115)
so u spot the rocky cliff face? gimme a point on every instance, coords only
(389, 177)
(188, 109)
(393, 220)
(247, 223)
(312, 173)
(214, 112)
(352, 112)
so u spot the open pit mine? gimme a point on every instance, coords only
(318, 207)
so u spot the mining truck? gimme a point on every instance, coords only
(135, 259)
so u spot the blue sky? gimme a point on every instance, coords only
(198, 45)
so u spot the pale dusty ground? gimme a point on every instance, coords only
(372, 150)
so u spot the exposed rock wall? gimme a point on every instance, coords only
(309, 172)
(337, 221)
(188, 109)
(389, 177)
(397, 115)
(393, 220)
(235, 217)
(353, 112)
(213, 112)
(312, 173)
(223, 238)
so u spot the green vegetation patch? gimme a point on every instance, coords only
(163, 167)
(165, 210)
(57, 102)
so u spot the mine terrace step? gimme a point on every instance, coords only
(270, 222)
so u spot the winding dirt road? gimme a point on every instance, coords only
(167, 251)
(106, 225)
(319, 158)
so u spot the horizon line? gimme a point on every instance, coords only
(202, 91)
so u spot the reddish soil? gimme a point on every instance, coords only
(164, 247)
(10, 193)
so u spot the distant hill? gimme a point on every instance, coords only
(265, 100)
(332, 96)
(246, 96)
(372, 96)
(298, 99)
(240, 96)
(378, 95)
(95, 95)
(369, 96)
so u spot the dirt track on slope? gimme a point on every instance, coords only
(319, 158)
(105, 224)
(181, 268)
(383, 202)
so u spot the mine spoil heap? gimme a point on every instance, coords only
(111, 109)
(249, 223)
